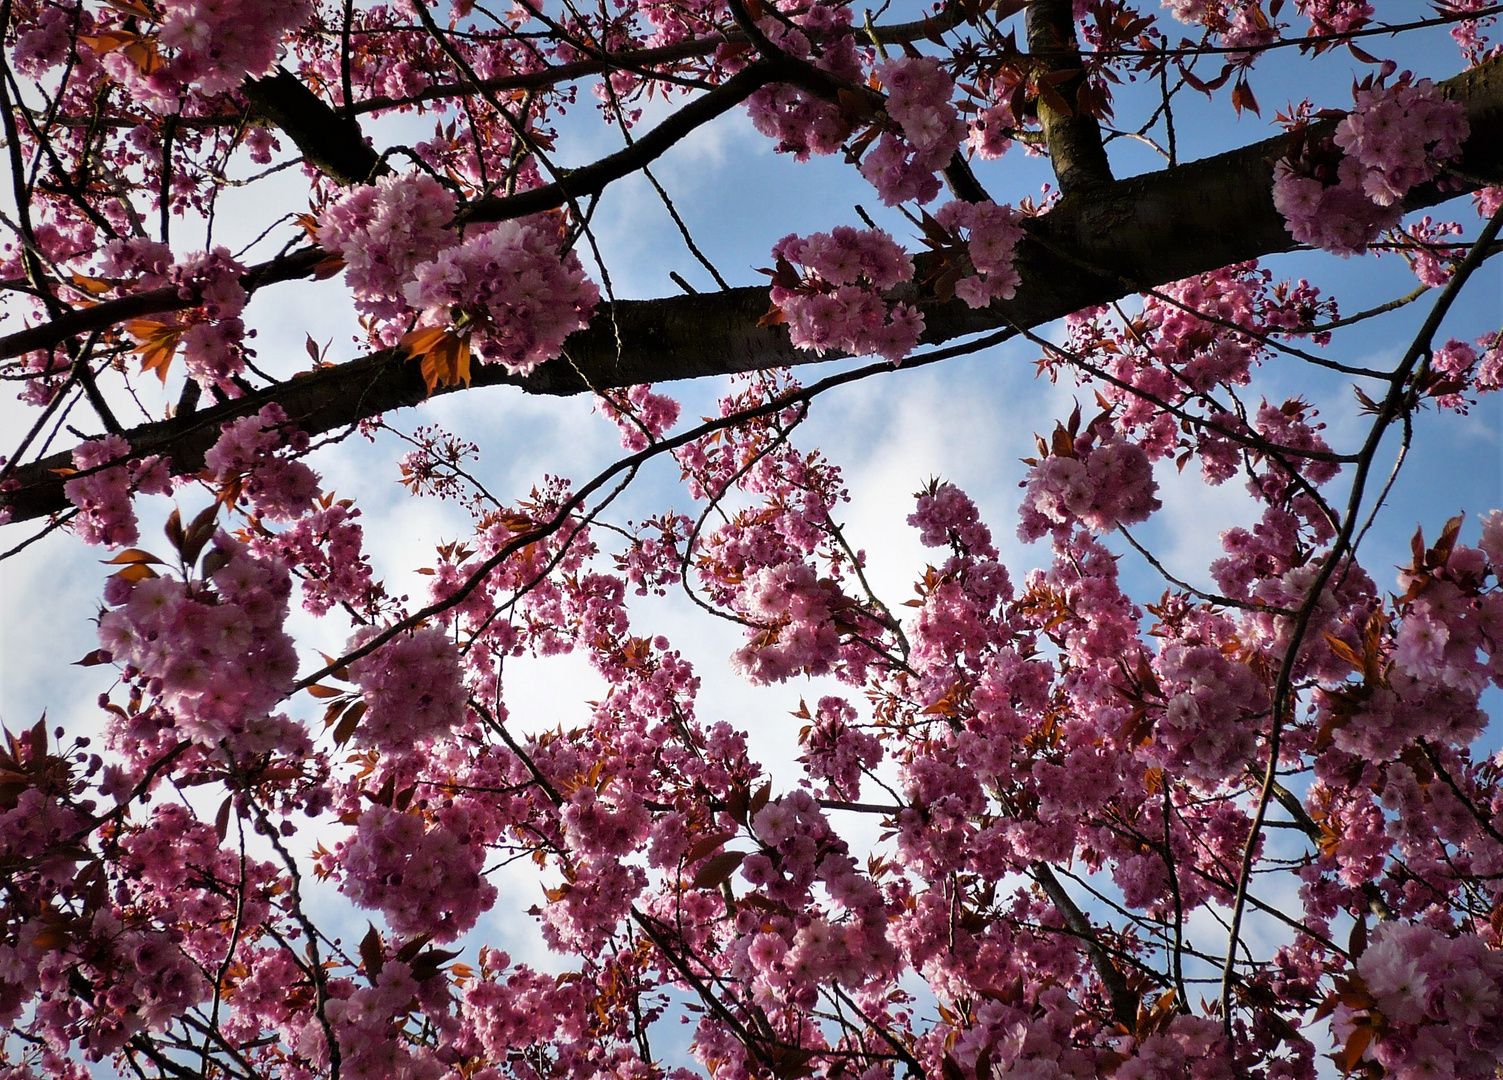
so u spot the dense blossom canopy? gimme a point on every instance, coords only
(1042, 823)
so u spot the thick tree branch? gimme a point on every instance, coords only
(1073, 135)
(332, 142)
(1093, 247)
(101, 316)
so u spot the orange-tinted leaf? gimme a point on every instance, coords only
(222, 819)
(706, 845)
(1356, 1045)
(132, 7)
(1345, 651)
(717, 870)
(132, 555)
(774, 317)
(445, 356)
(135, 572)
(372, 953)
(327, 267)
(759, 799)
(92, 286)
(107, 41)
(157, 343)
(346, 728)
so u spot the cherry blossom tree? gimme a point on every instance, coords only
(1085, 798)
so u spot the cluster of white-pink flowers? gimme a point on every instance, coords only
(210, 331)
(512, 285)
(1101, 487)
(1394, 138)
(792, 609)
(252, 456)
(1239, 22)
(1398, 134)
(412, 687)
(506, 288)
(1209, 727)
(1436, 1004)
(384, 231)
(801, 123)
(420, 869)
(903, 167)
(1335, 16)
(103, 495)
(836, 751)
(208, 45)
(216, 657)
(992, 233)
(838, 302)
(641, 415)
(213, 348)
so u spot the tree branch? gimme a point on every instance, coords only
(1074, 137)
(1137, 234)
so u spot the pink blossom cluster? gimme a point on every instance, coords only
(181, 873)
(164, 983)
(211, 332)
(251, 458)
(327, 547)
(46, 42)
(801, 123)
(412, 686)
(217, 658)
(1101, 486)
(1444, 653)
(213, 348)
(989, 132)
(147, 261)
(1468, 34)
(792, 612)
(1335, 16)
(945, 515)
(1208, 731)
(1430, 257)
(1435, 1002)
(903, 167)
(1193, 336)
(510, 286)
(363, 1018)
(992, 233)
(1239, 22)
(1394, 138)
(1462, 366)
(105, 498)
(384, 231)
(505, 1015)
(797, 850)
(654, 560)
(207, 46)
(836, 751)
(1398, 135)
(422, 875)
(505, 287)
(37, 825)
(838, 302)
(1192, 1048)
(641, 415)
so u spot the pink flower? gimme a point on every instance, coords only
(511, 287)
